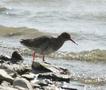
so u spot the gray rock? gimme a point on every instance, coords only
(5, 83)
(43, 82)
(7, 88)
(54, 77)
(22, 83)
(29, 76)
(51, 87)
(38, 67)
(49, 71)
(16, 68)
(68, 86)
(4, 76)
(15, 58)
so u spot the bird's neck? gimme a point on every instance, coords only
(58, 43)
(60, 40)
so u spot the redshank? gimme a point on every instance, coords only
(45, 45)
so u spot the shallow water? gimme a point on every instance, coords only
(85, 20)
(85, 73)
(89, 75)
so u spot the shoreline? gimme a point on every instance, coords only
(83, 83)
(27, 53)
(20, 76)
(96, 55)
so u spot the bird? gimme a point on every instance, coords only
(45, 45)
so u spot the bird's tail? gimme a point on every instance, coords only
(22, 41)
(25, 42)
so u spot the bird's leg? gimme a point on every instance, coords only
(43, 58)
(33, 55)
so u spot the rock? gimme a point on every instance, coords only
(22, 83)
(35, 86)
(16, 68)
(29, 76)
(22, 69)
(4, 58)
(15, 58)
(68, 86)
(49, 71)
(44, 82)
(38, 67)
(7, 88)
(51, 87)
(5, 83)
(5, 77)
(54, 77)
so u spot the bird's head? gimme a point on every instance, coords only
(66, 36)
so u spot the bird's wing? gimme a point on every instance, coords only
(36, 42)
(41, 41)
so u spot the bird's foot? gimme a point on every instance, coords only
(46, 62)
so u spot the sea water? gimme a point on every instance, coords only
(85, 20)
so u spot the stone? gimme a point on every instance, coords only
(43, 82)
(29, 76)
(49, 71)
(68, 86)
(4, 76)
(54, 77)
(5, 83)
(4, 58)
(7, 88)
(15, 58)
(22, 83)
(38, 67)
(16, 68)
(52, 87)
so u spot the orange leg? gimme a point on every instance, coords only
(33, 55)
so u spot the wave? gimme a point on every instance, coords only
(95, 80)
(96, 54)
(6, 31)
(92, 55)
(3, 9)
(70, 15)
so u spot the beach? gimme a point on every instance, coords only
(85, 20)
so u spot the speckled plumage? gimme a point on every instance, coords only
(46, 45)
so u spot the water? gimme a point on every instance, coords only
(85, 72)
(85, 20)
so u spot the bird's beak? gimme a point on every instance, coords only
(73, 41)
